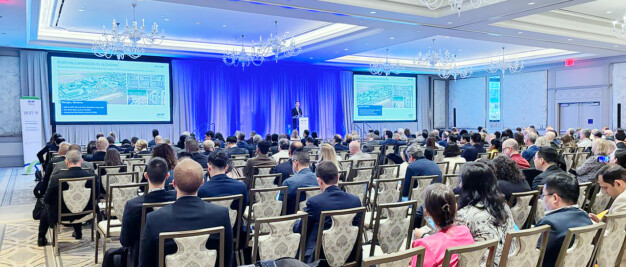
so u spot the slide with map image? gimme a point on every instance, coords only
(98, 90)
(384, 98)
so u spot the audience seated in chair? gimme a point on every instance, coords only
(452, 155)
(560, 193)
(440, 205)
(208, 146)
(101, 147)
(286, 168)
(331, 198)
(303, 177)
(510, 177)
(193, 148)
(357, 154)
(261, 159)
(337, 143)
(156, 174)
(219, 184)
(531, 149)
(189, 212)
(49, 215)
(546, 160)
(233, 149)
(599, 148)
(510, 149)
(419, 166)
(283, 150)
(470, 153)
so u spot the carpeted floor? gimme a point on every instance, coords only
(18, 230)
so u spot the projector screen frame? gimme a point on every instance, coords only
(92, 56)
(393, 75)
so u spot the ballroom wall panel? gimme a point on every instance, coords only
(524, 99)
(469, 99)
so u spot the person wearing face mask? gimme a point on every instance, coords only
(303, 177)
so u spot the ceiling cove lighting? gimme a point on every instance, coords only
(455, 5)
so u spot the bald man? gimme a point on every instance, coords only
(357, 154)
(188, 212)
(510, 148)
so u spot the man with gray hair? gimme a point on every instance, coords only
(303, 177)
(59, 166)
(101, 150)
(551, 136)
(419, 166)
(283, 150)
(370, 142)
(208, 146)
(529, 153)
(49, 215)
(585, 142)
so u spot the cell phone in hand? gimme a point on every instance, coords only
(604, 159)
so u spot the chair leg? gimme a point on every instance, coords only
(93, 222)
(56, 240)
(104, 244)
(97, 239)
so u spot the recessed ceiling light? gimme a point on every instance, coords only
(449, 22)
(310, 57)
(616, 46)
(224, 25)
(520, 32)
(372, 12)
(81, 10)
(447, 37)
(570, 39)
(367, 44)
(346, 49)
(391, 38)
(166, 19)
(197, 22)
(531, 3)
(286, 32)
(609, 12)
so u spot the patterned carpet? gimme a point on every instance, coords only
(18, 231)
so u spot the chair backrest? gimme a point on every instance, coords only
(389, 149)
(599, 201)
(391, 219)
(139, 168)
(402, 258)
(233, 214)
(149, 207)
(264, 203)
(342, 238)
(523, 207)
(376, 148)
(583, 193)
(130, 162)
(451, 180)
(192, 248)
(471, 255)
(263, 169)
(457, 167)
(367, 162)
(146, 157)
(438, 157)
(585, 243)
(493, 155)
(613, 240)
(77, 196)
(358, 188)
(483, 156)
(346, 165)
(541, 208)
(266, 180)
(282, 160)
(307, 192)
(236, 162)
(580, 158)
(119, 178)
(386, 191)
(569, 160)
(343, 154)
(443, 166)
(363, 174)
(280, 241)
(418, 187)
(386, 172)
(526, 252)
(239, 156)
(117, 196)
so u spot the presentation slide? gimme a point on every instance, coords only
(87, 90)
(384, 98)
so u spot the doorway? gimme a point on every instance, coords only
(586, 115)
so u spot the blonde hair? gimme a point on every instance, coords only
(601, 147)
(328, 153)
(294, 134)
(140, 145)
(542, 142)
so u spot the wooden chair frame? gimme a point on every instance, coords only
(457, 167)
(56, 228)
(598, 227)
(419, 252)
(282, 190)
(365, 189)
(238, 222)
(446, 167)
(299, 193)
(533, 203)
(543, 230)
(210, 231)
(360, 211)
(303, 217)
(412, 208)
(489, 244)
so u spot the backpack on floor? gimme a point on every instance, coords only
(115, 257)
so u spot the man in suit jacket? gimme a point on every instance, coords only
(286, 168)
(274, 145)
(101, 150)
(529, 153)
(295, 113)
(337, 144)
(189, 212)
(208, 146)
(232, 148)
(192, 146)
(261, 159)
(127, 146)
(471, 153)
(560, 194)
(303, 177)
(545, 160)
(388, 139)
(612, 179)
(153, 142)
(331, 198)
(156, 174)
(419, 166)
(369, 143)
(111, 141)
(63, 148)
(221, 185)
(49, 216)
(283, 150)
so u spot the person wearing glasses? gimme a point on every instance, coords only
(560, 193)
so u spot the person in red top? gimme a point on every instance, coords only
(440, 205)
(510, 149)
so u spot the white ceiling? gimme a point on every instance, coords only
(333, 31)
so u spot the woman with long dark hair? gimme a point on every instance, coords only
(510, 176)
(431, 146)
(181, 142)
(481, 207)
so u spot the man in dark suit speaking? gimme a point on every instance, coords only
(295, 114)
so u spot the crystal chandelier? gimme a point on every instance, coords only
(386, 67)
(503, 64)
(451, 69)
(130, 41)
(433, 57)
(455, 5)
(280, 46)
(243, 58)
(619, 28)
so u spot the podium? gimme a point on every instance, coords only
(303, 124)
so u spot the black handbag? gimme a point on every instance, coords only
(115, 257)
(39, 206)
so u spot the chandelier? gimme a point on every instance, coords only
(280, 46)
(433, 58)
(451, 69)
(386, 67)
(455, 5)
(619, 28)
(129, 41)
(236, 57)
(503, 64)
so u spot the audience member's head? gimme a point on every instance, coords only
(63, 148)
(388, 134)
(293, 146)
(327, 152)
(208, 145)
(141, 145)
(496, 144)
(415, 152)
(530, 139)
(560, 190)
(465, 138)
(126, 142)
(231, 141)
(545, 157)
(73, 158)
(440, 205)
(314, 135)
(74, 147)
(98, 135)
(155, 133)
(188, 177)
(112, 157)
(476, 138)
(597, 134)
(283, 144)
(510, 147)
(309, 141)
(612, 180)
(158, 139)
(300, 160)
(620, 136)
(519, 138)
(191, 145)
(601, 147)
(550, 136)
(431, 143)
(209, 135)
(355, 147)
(451, 150)
(218, 162)
(337, 139)
(274, 138)
(585, 133)
(165, 152)
(542, 142)
(102, 144)
(506, 169)
(479, 187)
(241, 136)
(256, 139)
(263, 147)
(620, 158)
(294, 134)
(157, 172)
(568, 140)
(327, 174)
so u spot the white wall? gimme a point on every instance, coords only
(468, 96)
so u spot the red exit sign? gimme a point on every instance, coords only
(569, 62)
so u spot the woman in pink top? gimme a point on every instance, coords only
(440, 205)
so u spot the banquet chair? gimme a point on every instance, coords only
(76, 198)
(585, 241)
(402, 258)
(471, 255)
(280, 241)
(526, 252)
(342, 239)
(192, 249)
(389, 218)
(523, 207)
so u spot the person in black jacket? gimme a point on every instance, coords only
(41, 188)
(192, 146)
(510, 176)
(101, 150)
(470, 153)
(49, 216)
(296, 112)
(53, 145)
(189, 212)
(560, 195)
(546, 160)
(156, 174)
(286, 168)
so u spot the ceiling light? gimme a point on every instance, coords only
(310, 57)
(456, 5)
(385, 68)
(570, 39)
(346, 49)
(520, 32)
(166, 19)
(449, 22)
(81, 10)
(197, 22)
(447, 37)
(531, 3)
(392, 38)
(503, 64)
(224, 25)
(609, 12)
(372, 12)
(616, 46)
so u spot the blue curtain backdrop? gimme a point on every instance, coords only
(261, 98)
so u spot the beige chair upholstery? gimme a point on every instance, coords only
(525, 252)
(280, 241)
(388, 171)
(192, 249)
(385, 191)
(443, 166)
(611, 250)
(308, 193)
(583, 248)
(524, 208)
(76, 198)
(339, 241)
(569, 160)
(451, 180)
(438, 156)
(266, 180)
(264, 204)
(392, 232)
(358, 189)
(582, 193)
(471, 255)
(398, 259)
(417, 193)
(363, 174)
